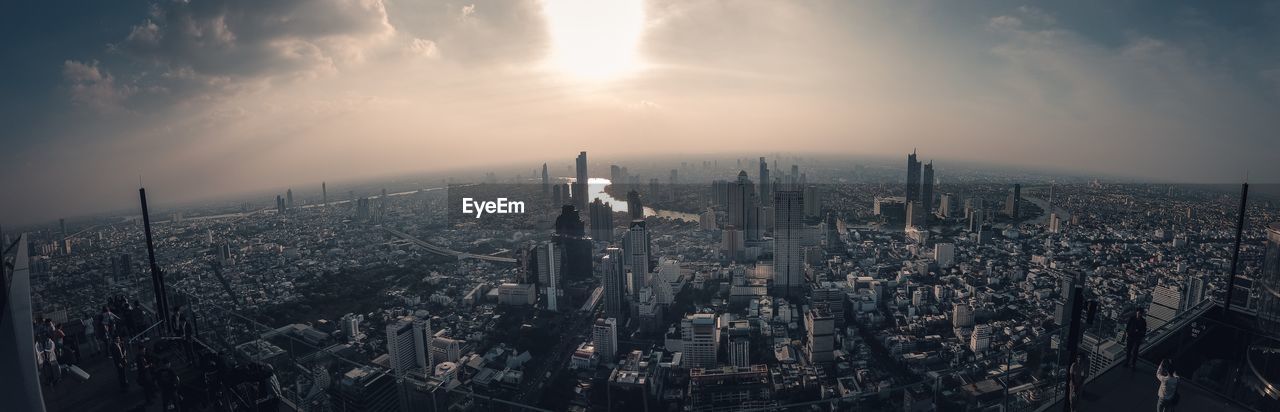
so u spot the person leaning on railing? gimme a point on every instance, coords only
(1167, 396)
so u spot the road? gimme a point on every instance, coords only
(441, 250)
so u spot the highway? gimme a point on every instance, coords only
(441, 250)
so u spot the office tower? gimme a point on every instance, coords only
(549, 267)
(575, 247)
(732, 245)
(604, 335)
(820, 329)
(403, 336)
(980, 340)
(1194, 292)
(834, 244)
(366, 388)
(445, 349)
(580, 182)
(926, 191)
(279, 205)
(947, 205)
(324, 194)
(700, 338)
(755, 221)
(913, 178)
(915, 215)
(739, 200)
(766, 193)
(636, 248)
(812, 201)
(739, 343)
(976, 220)
(1166, 303)
(289, 197)
(612, 269)
(601, 221)
(961, 316)
(1269, 282)
(1055, 223)
(350, 325)
(546, 182)
(707, 220)
(944, 254)
(556, 197)
(1013, 204)
(787, 234)
(634, 207)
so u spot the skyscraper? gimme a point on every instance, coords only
(635, 208)
(913, 178)
(407, 343)
(820, 329)
(614, 280)
(576, 248)
(601, 215)
(580, 182)
(700, 336)
(739, 343)
(546, 182)
(289, 199)
(787, 235)
(549, 267)
(324, 194)
(765, 184)
(739, 200)
(636, 247)
(926, 192)
(604, 335)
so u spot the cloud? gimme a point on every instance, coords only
(424, 48)
(88, 85)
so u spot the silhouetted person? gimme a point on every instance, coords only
(49, 358)
(1167, 396)
(1076, 374)
(1135, 331)
(120, 357)
(168, 381)
(146, 373)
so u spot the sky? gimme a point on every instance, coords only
(210, 98)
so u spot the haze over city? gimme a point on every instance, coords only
(209, 99)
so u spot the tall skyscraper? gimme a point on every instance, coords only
(613, 273)
(635, 208)
(766, 195)
(580, 182)
(913, 178)
(604, 335)
(739, 201)
(324, 194)
(576, 248)
(1013, 205)
(1269, 283)
(408, 340)
(289, 199)
(546, 182)
(700, 336)
(549, 267)
(926, 192)
(812, 201)
(788, 233)
(601, 215)
(636, 247)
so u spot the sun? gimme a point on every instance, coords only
(594, 39)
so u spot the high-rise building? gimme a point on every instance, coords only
(961, 316)
(576, 248)
(944, 254)
(445, 349)
(289, 196)
(732, 245)
(350, 325)
(766, 190)
(549, 269)
(636, 248)
(812, 201)
(913, 178)
(407, 344)
(546, 182)
(820, 329)
(1269, 283)
(580, 182)
(947, 206)
(980, 340)
(1013, 204)
(700, 336)
(613, 272)
(739, 343)
(739, 201)
(635, 208)
(788, 233)
(601, 215)
(604, 335)
(1055, 223)
(366, 388)
(324, 194)
(926, 190)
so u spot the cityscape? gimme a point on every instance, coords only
(665, 267)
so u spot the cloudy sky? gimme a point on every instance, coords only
(207, 98)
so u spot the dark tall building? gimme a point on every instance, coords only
(766, 195)
(556, 197)
(571, 236)
(926, 191)
(601, 215)
(635, 208)
(546, 182)
(740, 200)
(279, 204)
(1013, 205)
(289, 199)
(913, 178)
(613, 273)
(788, 233)
(324, 194)
(580, 183)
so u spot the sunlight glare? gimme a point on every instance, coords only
(594, 39)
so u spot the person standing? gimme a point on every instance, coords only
(146, 373)
(120, 357)
(1077, 373)
(49, 354)
(1135, 332)
(1167, 396)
